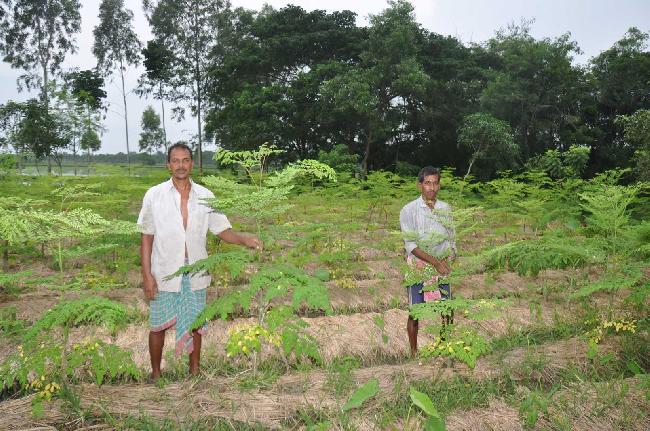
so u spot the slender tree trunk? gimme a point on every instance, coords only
(366, 153)
(397, 155)
(126, 121)
(162, 105)
(74, 156)
(46, 102)
(198, 116)
(471, 162)
(19, 162)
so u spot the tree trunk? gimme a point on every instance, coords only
(198, 117)
(88, 161)
(471, 162)
(162, 105)
(74, 156)
(366, 153)
(126, 120)
(46, 102)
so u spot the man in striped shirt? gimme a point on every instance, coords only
(429, 239)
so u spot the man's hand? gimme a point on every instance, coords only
(150, 287)
(442, 266)
(252, 242)
(232, 237)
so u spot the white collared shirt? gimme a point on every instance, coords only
(429, 229)
(161, 217)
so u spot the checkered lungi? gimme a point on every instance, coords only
(178, 309)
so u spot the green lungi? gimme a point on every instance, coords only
(178, 309)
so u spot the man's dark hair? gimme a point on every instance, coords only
(426, 171)
(178, 145)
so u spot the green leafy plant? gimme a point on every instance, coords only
(422, 400)
(534, 404)
(10, 326)
(89, 311)
(608, 207)
(45, 364)
(361, 395)
(277, 322)
(529, 257)
(464, 345)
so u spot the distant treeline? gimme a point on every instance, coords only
(389, 96)
(395, 92)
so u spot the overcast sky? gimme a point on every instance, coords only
(594, 24)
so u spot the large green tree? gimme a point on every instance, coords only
(158, 62)
(116, 46)
(36, 36)
(637, 135)
(39, 131)
(189, 29)
(267, 74)
(620, 78)
(535, 88)
(152, 137)
(376, 93)
(490, 143)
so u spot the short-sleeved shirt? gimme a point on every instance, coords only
(161, 217)
(431, 230)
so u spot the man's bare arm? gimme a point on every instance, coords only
(441, 265)
(148, 281)
(233, 237)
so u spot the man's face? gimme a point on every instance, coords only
(429, 187)
(180, 163)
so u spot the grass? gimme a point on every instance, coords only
(326, 228)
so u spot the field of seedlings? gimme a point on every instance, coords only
(551, 306)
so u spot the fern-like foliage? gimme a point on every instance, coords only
(266, 286)
(476, 309)
(75, 252)
(11, 278)
(529, 257)
(282, 321)
(36, 367)
(304, 289)
(260, 204)
(233, 261)
(10, 325)
(626, 276)
(608, 208)
(88, 311)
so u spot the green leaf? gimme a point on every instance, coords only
(434, 424)
(424, 402)
(362, 394)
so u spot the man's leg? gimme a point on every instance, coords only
(156, 343)
(195, 356)
(412, 327)
(415, 296)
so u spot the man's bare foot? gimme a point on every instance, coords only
(154, 377)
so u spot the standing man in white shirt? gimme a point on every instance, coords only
(174, 221)
(429, 239)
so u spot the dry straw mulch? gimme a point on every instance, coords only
(220, 397)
